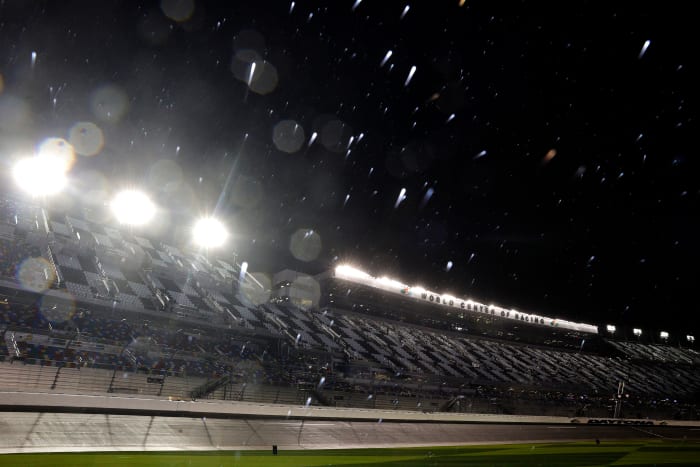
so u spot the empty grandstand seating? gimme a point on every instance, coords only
(134, 300)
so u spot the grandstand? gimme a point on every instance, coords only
(89, 308)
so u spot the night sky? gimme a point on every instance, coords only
(544, 148)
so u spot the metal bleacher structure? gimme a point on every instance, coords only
(125, 314)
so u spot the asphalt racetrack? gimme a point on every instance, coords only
(68, 432)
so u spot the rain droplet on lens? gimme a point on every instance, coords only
(410, 75)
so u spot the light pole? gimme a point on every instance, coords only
(618, 400)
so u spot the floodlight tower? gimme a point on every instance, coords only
(618, 399)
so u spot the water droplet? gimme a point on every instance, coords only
(400, 198)
(386, 58)
(314, 135)
(646, 45)
(410, 75)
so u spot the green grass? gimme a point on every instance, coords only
(552, 454)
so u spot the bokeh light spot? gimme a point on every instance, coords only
(549, 156)
(87, 138)
(305, 245)
(255, 288)
(306, 291)
(57, 307)
(335, 136)
(109, 103)
(36, 274)
(241, 63)
(177, 10)
(264, 78)
(14, 113)
(288, 136)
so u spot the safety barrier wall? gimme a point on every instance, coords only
(149, 405)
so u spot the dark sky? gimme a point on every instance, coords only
(544, 149)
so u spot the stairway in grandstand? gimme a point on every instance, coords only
(209, 387)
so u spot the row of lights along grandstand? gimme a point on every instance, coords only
(89, 292)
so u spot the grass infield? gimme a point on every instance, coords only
(550, 454)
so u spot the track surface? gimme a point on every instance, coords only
(47, 432)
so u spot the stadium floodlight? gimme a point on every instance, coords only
(637, 332)
(41, 175)
(209, 233)
(690, 338)
(390, 282)
(663, 335)
(611, 328)
(133, 207)
(350, 272)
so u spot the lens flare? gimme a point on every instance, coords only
(58, 307)
(36, 274)
(86, 138)
(60, 149)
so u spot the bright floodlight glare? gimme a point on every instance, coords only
(133, 207)
(690, 338)
(637, 332)
(611, 328)
(40, 175)
(348, 271)
(390, 282)
(663, 335)
(209, 233)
